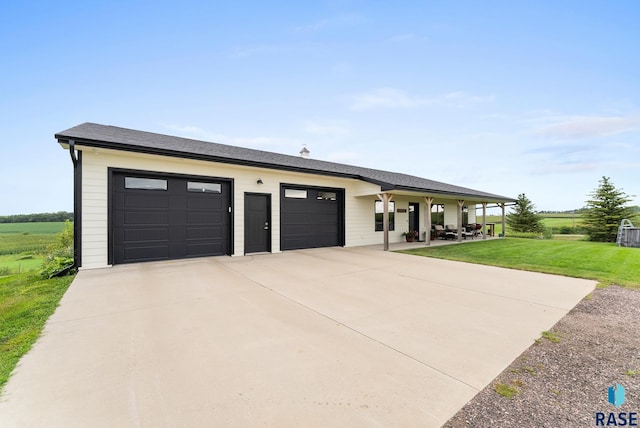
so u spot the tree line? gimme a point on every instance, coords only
(601, 215)
(39, 217)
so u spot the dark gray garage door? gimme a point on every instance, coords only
(311, 217)
(168, 217)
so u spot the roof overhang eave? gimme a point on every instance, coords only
(64, 142)
(453, 195)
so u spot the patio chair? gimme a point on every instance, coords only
(439, 231)
(450, 232)
(468, 231)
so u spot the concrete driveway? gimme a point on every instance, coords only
(326, 337)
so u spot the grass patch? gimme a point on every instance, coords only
(551, 336)
(632, 372)
(505, 390)
(604, 262)
(571, 237)
(26, 302)
(19, 263)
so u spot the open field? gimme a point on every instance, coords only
(20, 244)
(603, 262)
(558, 223)
(31, 228)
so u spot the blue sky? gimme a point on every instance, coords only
(541, 97)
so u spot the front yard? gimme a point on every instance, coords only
(603, 262)
(26, 302)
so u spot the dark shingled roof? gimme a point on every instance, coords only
(112, 137)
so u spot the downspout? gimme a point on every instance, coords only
(76, 158)
(72, 153)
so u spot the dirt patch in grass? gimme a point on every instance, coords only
(563, 383)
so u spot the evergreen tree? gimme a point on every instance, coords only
(523, 218)
(605, 210)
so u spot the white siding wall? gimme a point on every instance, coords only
(451, 213)
(359, 202)
(472, 213)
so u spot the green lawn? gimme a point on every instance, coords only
(26, 302)
(19, 263)
(603, 262)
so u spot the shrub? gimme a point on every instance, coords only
(545, 233)
(58, 256)
(567, 230)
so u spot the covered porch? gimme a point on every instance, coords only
(437, 219)
(399, 246)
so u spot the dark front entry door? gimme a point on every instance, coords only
(414, 216)
(257, 223)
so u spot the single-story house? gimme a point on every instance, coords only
(141, 196)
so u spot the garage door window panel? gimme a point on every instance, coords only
(327, 196)
(142, 183)
(295, 194)
(200, 187)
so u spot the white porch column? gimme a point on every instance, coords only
(385, 198)
(504, 224)
(460, 205)
(484, 220)
(427, 219)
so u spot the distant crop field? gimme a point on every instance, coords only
(558, 223)
(31, 228)
(21, 244)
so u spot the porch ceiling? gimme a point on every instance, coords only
(437, 197)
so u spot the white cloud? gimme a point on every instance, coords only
(395, 98)
(575, 127)
(386, 98)
(260, 142)
(576, 167)
(462, 99)
(331, 127)
(564, 168)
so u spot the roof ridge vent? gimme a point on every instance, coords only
(304, 152)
